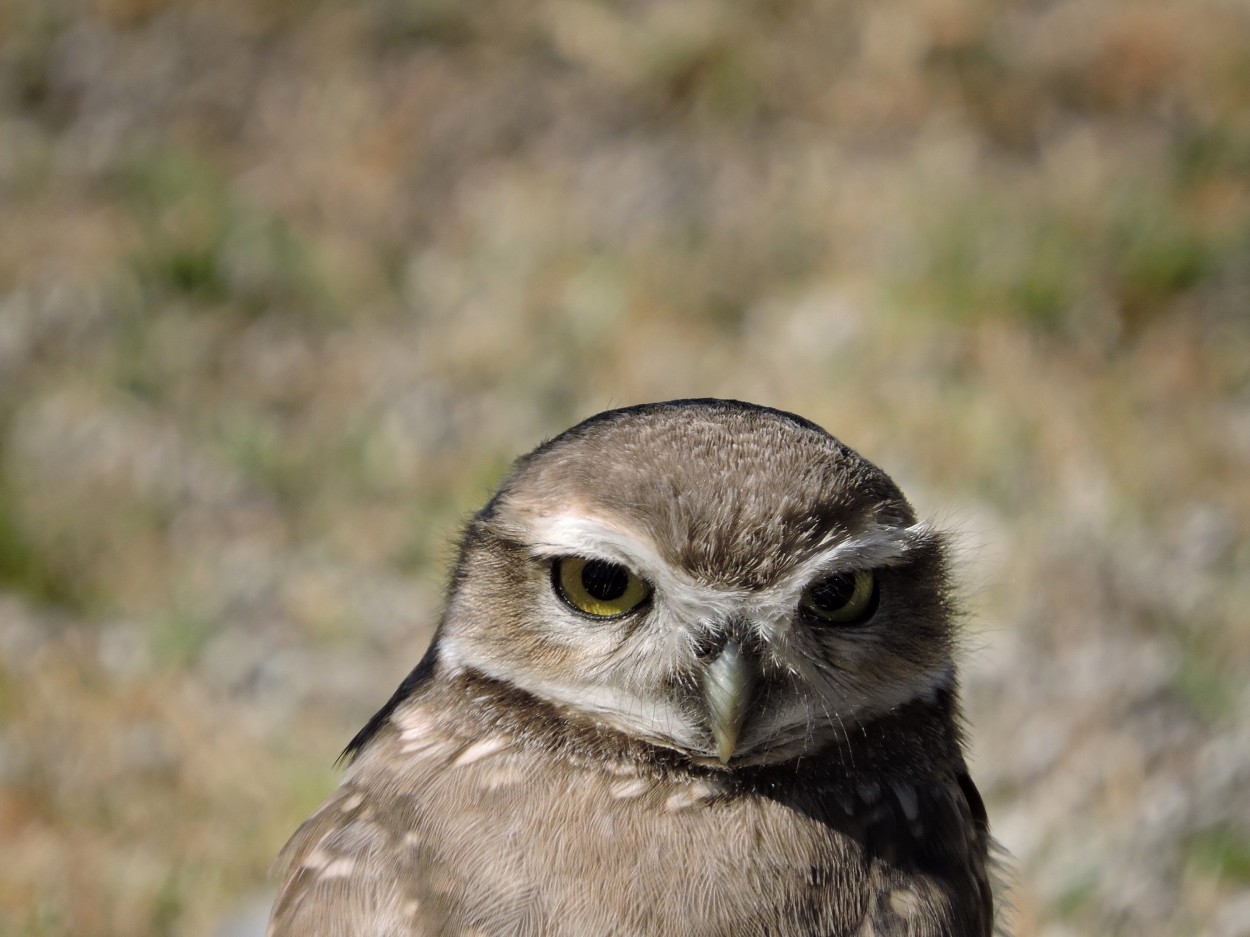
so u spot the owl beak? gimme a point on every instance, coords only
(728, 686)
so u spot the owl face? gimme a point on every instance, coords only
(726, 581)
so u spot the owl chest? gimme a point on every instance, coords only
(577, 853)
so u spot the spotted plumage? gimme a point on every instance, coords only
(694, 677)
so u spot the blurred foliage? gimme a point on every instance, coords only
(1223, 853)
(284, 286)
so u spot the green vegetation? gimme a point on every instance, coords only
(1223, 853)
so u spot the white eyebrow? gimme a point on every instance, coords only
(576, 534)
(573, 534)
(588, 535)
(878, 545)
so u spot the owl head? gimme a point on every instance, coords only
(715, 578)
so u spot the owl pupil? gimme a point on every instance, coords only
(604, 581)
(832, 593)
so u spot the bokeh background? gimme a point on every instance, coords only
(284, 286)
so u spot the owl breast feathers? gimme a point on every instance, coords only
(694, 677)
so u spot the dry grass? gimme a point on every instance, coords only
(283, 286)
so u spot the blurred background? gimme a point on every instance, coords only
(285, 285)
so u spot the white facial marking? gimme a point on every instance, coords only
(658, 720)
(683, 610)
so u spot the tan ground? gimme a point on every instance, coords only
(284, 285)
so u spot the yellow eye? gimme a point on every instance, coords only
(843, 598)
(597, 587)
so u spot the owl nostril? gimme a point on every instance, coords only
(709, 643)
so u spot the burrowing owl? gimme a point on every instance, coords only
(694, 677)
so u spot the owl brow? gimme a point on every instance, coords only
(578, 535)
(877, 546)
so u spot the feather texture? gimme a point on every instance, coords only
(551, 773)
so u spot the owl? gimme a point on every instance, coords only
(694, 676)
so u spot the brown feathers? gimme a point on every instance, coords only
(555, 770)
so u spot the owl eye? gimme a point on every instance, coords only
(843, 598)
(597, 587)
